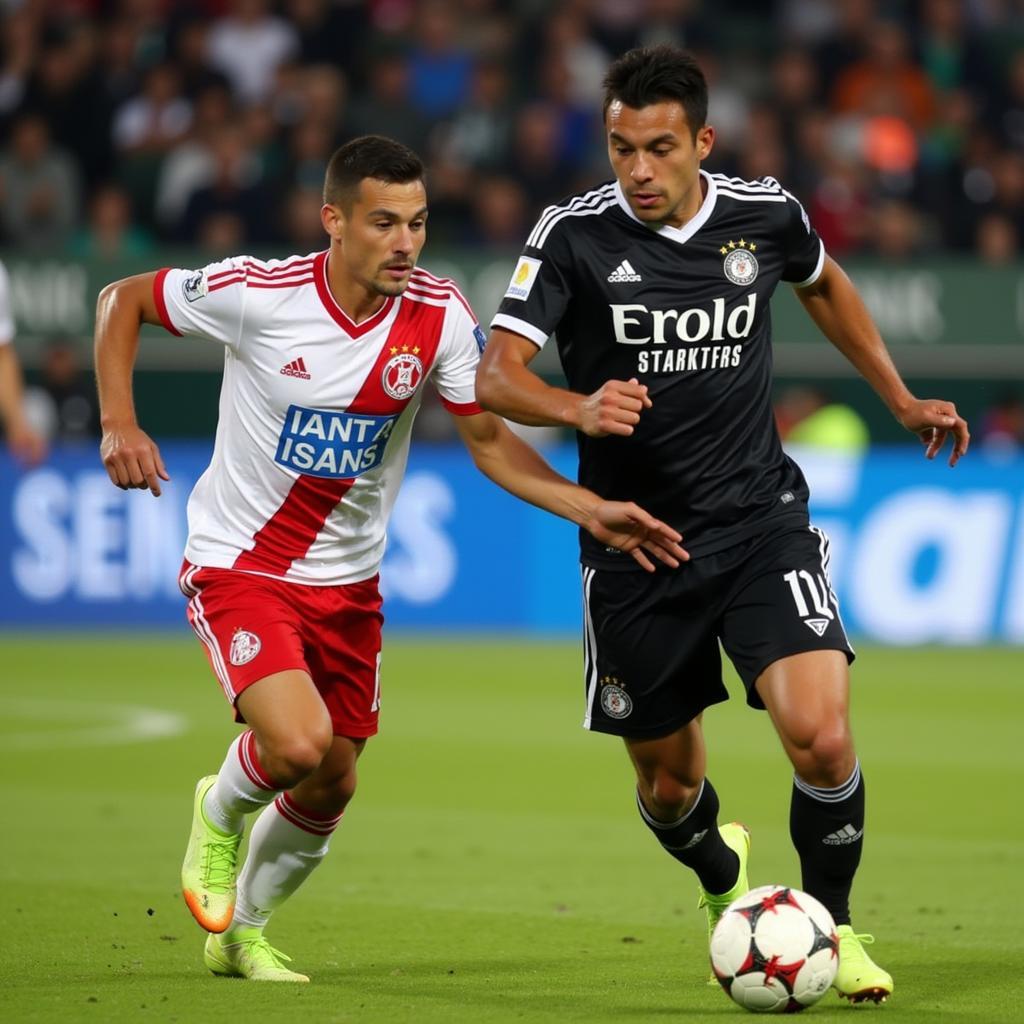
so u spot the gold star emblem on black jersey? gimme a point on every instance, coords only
(741, 244)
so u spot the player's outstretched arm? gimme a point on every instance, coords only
(512, 464)
(835, 306)
(131, 457)
(506, 385)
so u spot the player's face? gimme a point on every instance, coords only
(657, 160)
(381, 236)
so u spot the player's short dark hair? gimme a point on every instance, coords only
(656, 74)
(369, 156)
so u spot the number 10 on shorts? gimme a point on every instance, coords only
(803, 584)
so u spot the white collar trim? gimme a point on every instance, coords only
(691, 227)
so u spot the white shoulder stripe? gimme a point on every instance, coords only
(551, 212)
(585, 212)
(596, 196)
(739, 185)
(752, 197)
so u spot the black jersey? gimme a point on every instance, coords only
(685, 311)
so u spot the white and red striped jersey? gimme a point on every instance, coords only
(315, 410)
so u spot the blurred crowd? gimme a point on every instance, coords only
(126, 124)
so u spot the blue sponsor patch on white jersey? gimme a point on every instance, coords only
(320, 442)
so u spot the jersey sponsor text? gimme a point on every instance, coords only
(319, 442)
(635, 324)
(688, 360)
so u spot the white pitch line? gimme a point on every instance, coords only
(110, 723)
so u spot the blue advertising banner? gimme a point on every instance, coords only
(920, 553)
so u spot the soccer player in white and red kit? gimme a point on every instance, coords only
(325, 357)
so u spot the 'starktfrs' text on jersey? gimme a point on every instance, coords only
(315, 410)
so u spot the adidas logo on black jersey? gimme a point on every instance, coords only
(624, 273)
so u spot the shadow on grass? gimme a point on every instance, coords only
(530, 988)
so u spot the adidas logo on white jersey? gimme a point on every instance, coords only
(623, 273)
(296, 368)
(846, 835)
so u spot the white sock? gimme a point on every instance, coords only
(286, 843)
(242, 787)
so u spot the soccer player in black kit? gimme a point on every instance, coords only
(656, 286)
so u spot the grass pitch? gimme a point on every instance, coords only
(491, 867)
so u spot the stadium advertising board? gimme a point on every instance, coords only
(920, 553)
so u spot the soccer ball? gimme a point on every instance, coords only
(775, 950)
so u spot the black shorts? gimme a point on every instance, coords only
(650, 640)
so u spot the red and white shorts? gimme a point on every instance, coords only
(253, 626)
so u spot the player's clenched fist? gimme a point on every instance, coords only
(614, 408)
(132, 459)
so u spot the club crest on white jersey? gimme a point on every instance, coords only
(401, 375)
(321, 442)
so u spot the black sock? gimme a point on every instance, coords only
(827, 829)
(694, 840)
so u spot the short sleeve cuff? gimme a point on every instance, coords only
(517, 326)
(461, 408)
(816, 273)
(161, 303)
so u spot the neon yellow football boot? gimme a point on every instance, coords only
(245, 953)
(737, 838)
(859, 978)
(210, 870)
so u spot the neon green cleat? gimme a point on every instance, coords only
(246, 954)
(859, 978)
(210, 870)
(737, 838)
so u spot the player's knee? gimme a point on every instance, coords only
(296, 758)
(829, 758)
(672, 793)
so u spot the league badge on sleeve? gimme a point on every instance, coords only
(195, 286)
(740, 263)
(523, 277)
